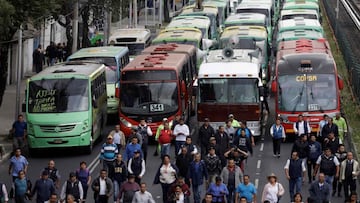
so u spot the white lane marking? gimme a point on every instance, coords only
(258, 164)
(256, 183)
(94, 163)
(261, 147)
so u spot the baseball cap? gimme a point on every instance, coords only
(231, 115)
(164, 119)
(212, 138)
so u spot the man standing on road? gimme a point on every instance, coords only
(120, 174)
(313, 154)
(301, 127)
(102, 187)
(329, 166)
(181, 131)
(108, 154)
(232, 177)
(43, 188)
(222, 139)
(19, 133)
(17, 163)
(128, 189)
(54, 174)
(213, 164)
(197, 172)
(247, 190)
(145, 131)
(342, 126)
(118, 137)
(295, 173)
(136, 166)
(320, 190)
(143, 196)
(277, 133)
(131, 148)
(349, 171)
(72, 187)
(205, 132)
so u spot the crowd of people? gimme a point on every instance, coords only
(216, 162)
(52, 54)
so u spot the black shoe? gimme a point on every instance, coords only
(333, 194)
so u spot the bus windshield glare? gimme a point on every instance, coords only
(307, 92)
(58, 96)
(149, 98)
(228, 90)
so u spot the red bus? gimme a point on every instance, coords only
(156, 86)
(306, 82)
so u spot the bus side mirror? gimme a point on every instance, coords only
(117, 89)
(274, 86)
(341, 82)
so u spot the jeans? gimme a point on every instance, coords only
(329, 179)
(165, 191)
(178, 145)
(196, 192)
(231, 196)
(116, 189)
(18, 142)
(165, 149)
(294, 183)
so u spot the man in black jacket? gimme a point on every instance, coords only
(205, 132)
(183, 161)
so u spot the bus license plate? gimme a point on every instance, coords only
(156, 107)
(58, 141)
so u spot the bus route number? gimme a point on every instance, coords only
(156, 107)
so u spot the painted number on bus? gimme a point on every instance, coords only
(156, 107)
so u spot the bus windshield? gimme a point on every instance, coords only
(228, 90)
(111, 76)
(58, 95)
(149, 98)
(307, 92)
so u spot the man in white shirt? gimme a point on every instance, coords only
(301, 127)
(181, 131)
(143, 196)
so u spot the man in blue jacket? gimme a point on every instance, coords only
(320, 190)
(197, 172)
(314, 152)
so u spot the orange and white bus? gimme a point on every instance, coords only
(306, 82)
(156, 86)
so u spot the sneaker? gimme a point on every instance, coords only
(274, 155)
(278, 156)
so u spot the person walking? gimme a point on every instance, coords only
(136, 166)
(54, 173)
(22, 188)
(205, 132)
(213, 165)
(191, 148)
(278, 135)
(51, 53)
(108, 154)
(131, 147)
(222, 139)
(243, 144)
(298, 198)
(218, 190)
(246, 189)
(143, 196)
(230, 130)
(273, 190)
(83, 175)
(349, 171)
(166, 176)
(301, 146)
(164, 139)
(322, 123)
(342, 126)
(17, 163)
(19, 131)
(330, 127)
(102, 187)
(38, 58)
(341, 155)
(157, 135)
(301, 126)
(314, 152)
(118, 137)
(332, 142)
(181, 131)
(232, 176)
(4, 197)
(320, 190)
(128, 189)
(295, 173)
(73, 187)
(234, 122)
(182, 162)
(43, 188)
(197, 173)
(53, 198)
(145, 131)
(120, 174)
(328, 165)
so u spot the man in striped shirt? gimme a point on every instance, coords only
(108, 154)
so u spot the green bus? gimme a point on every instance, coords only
(66, 106)
(114, 58)
(191, 36)
(200, 22)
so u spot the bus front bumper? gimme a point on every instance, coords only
(83, 139)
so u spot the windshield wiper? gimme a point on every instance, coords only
(313, 98)
(299, 99)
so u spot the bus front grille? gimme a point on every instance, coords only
(56, 129)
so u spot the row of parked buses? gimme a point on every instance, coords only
(213, 59)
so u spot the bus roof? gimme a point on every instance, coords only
(299, 23)
(246, 17)
(157, 61)
(301, 5)
(106, 51)
(190, 10)
(299, 34)
(190, 21)
(170, 48)
(245, 31)
(255, 4)
(240, 55)
(303, 46)
(130, 35)
(298, 12)
(178, 34)
(230, 70)
(69, 69)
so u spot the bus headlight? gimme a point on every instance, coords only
(85, 124)
(125, 122)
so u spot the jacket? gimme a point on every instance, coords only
(238, 175)
(356, 169)
(109, 187)
(320, 195)
(197, 176)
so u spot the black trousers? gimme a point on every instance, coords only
(102, 199)
(349, 183)
(276, 146)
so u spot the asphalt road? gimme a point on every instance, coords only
(261, 164)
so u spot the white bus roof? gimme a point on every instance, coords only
(240, 55)
(228, 70)
(70, 69)
(257, 5)
(298, 21)
(190, 21)
(141, 35)
(246, 16)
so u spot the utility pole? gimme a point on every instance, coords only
(75, 28)
(135, 13)
(19, 70)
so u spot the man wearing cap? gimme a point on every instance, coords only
(136, 166)
(108, 154)
(128, 189)
(102, 187)
(43, 188)
(218, 190)
(234, 122)
(131, 147)
(181, 131)
(72, 187)
(205, 132)
(145, 131)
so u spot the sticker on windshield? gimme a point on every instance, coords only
(156, 107)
